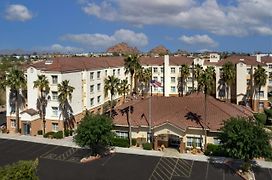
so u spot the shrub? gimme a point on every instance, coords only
(58, 135)
(214, 150)
(71, 132)
(120, 142)
(261, 117)
(147, 146)
(40, 132)
(134, 142)
(48, 134)
(66, 132)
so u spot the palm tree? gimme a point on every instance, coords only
(65, 92)
(260, 78)
(144, 77)
(16, 81)
(131, 65)
(42, 84)
(184, 74)
(197, 72)
(228, 76)
(123, 88)
(206, 84)
(111, 84)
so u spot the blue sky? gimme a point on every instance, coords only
(89, 25)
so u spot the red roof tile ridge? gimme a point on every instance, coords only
(218, 107)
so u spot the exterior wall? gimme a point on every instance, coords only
(167, 79)
(241, 82)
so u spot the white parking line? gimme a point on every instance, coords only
(46, 153)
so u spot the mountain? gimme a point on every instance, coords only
(159, 50)
(123, 48)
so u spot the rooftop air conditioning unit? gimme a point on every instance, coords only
(48, 61)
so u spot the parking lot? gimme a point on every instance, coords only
(56, 162)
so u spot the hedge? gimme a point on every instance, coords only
(147, 146)
(214, 150)
(40, 132)
(120, 142)
(46, 135)
(58, 135)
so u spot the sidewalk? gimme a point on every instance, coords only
(68, 142)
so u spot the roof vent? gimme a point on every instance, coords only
(48, 61)
(242, 60)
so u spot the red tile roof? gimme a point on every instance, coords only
(249, 60)
(266, 59)
(181, 112)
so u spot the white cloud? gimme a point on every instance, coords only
(98, 41)
(61, 49)
(17, 12)
(235, 19)
(201, 40)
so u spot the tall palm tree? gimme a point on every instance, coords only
(184, 74)
(111, 84)
(65, 92)
(260, 78)
(144, 77)
(123, 88)
(197, 72)
(16, 81)
(42, 84)
(131, 65)
(206, 84)
(228, 76)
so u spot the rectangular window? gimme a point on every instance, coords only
(162, 69)
(106, 72)
(216, 141)
(54, 79)
(248, 82)
(118, 71)
(98, 74)
(193, 140)
(113, 72)
(155, 88)
(91, 88)
(122, 134)
(13, 123)
(55, 111)
(155, 69)
(261, 105)
(91, 75)
(92, 101)
(173, 79)
(248, 70)
(54, 95)
(261, 94)
(270, 66)
(98, 99)
(155, 78)
(55, 127)
(190, 79)
(162, 79)
(173, 70)
(173, 89)
(98, 87)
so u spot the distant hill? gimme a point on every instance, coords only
(123, 48)
(159, 50)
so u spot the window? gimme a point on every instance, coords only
(106, 72)
(54, 95)
(55, 127)
(98, 87)
(55, 111)
(248, 70)
(122, 134)
(155, 88)
(216, 141)
(179, 69)
(162, 79)
(173, 79)
(91, 88)
(270, 66)
(55, 79)
(260, 93)
(162, 69)
(91, 75)
(113, 72)
(92, 101)
(270, 81)
(98, 99)
(190, 79)
(173, 70)
(173, 89)
(155, 69)
(13, 123)
(248, 82)
(98, 74)
(118, 71)
(261, 105)
(190, 89)
(194, 140)
(155, 78)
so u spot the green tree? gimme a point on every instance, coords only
(245, 139)
(206, 84)
(20, 170)
(16, 81)
(42, 84)
(65, 92)
(111, 84)
(95, 132)
(184, 74)
(197, 73)
(228, 76)
(123, 88)
(144, 77)
(132, 64)
(260, 78)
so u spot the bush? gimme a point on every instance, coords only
(66, 132)
(20, 170)
(147, 146)
(120, 142)
(260, 117)
(58, 135)
(48, 134)
(214, 150)
(40, 132)
(71, 132)
(134, 142)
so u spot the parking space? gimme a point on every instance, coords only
(56, 162)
